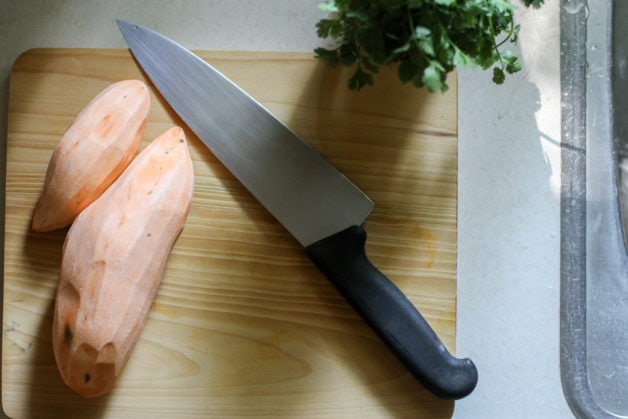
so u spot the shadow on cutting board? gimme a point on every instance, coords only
(48, 395)
(43, 391)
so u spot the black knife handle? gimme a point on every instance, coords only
(342, 259)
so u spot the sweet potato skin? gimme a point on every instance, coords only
(114, 257)
(101, 142)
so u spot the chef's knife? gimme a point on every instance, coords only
(322, 209)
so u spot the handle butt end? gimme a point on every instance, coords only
(455, 382)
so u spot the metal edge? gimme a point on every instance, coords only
(573, 212)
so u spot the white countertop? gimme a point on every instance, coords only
(509, 171)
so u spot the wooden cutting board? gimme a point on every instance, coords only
(243, 325)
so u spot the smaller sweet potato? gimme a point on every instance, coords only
(98, 146)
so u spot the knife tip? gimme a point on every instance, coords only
(124, 25)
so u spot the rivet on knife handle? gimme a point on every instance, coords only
(342, 259)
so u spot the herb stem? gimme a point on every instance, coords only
(412, 28)
(493, 36)
(511, 31)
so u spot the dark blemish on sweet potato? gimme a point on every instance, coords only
(68, 335)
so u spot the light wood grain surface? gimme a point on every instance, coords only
(243, 325)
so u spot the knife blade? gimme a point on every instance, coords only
(316, 203)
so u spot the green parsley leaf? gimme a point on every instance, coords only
(511, 62)
(498, 75)
(433, 78)
(462, 60)
(328, 6)
(329, 56)
(360, 79)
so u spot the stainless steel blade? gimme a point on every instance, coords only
(310, 197)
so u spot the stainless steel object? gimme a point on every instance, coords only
(594, 257)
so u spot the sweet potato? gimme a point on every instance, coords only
(98, 146)
(113, 260)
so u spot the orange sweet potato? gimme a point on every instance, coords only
(100, 143)
(113, 259)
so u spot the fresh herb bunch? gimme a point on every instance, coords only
(426, 38)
